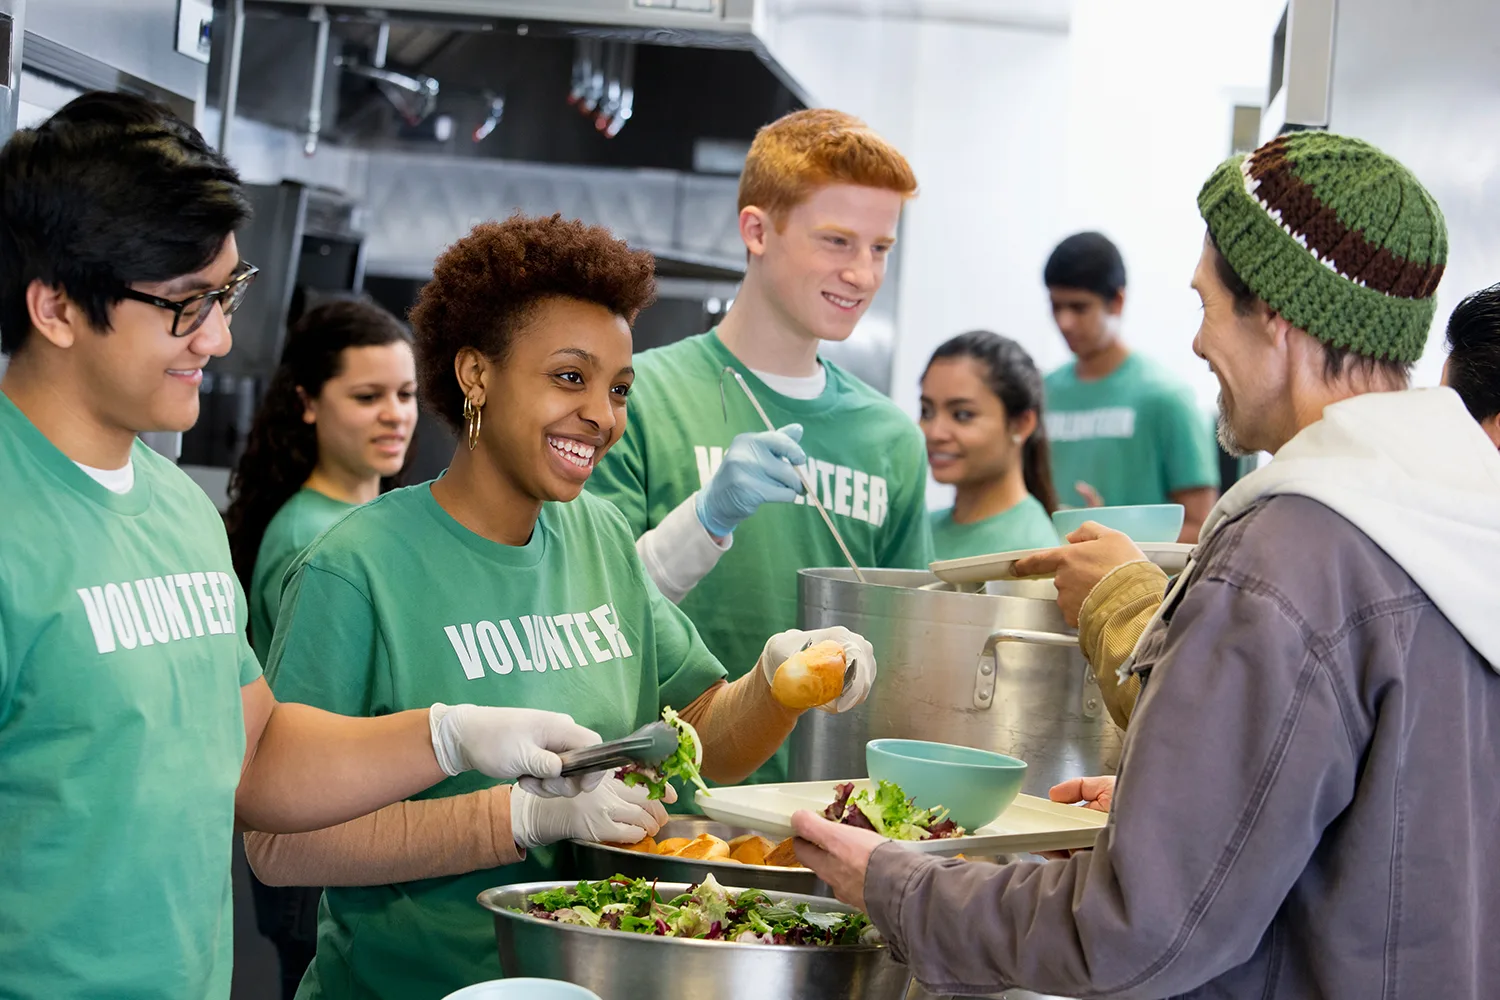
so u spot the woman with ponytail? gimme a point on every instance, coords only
(331, 433)
(982, 416)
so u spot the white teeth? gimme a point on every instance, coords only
(845, 303)
(577, 452)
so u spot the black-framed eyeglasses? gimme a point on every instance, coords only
(188, 315)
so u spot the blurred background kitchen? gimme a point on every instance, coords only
(374, 134)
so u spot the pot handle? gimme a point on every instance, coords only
(989, 663)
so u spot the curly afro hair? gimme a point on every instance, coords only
(485, 287)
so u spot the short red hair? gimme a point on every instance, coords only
(805, 150)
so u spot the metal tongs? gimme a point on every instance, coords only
(808, 482)
(650, 744)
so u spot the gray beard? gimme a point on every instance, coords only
(1227, 439)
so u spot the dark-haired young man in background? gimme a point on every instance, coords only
(1123, 429)
(136, 730)
(1473, 366)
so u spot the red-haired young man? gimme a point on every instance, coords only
(820, 199)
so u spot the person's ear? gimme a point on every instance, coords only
(309, 406)
(755, 229)
(1023, 426)
(472, 369)
(55, 317)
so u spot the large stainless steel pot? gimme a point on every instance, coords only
(620, 966)
(596, 861)
(999, 670)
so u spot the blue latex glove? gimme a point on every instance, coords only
(756, 469)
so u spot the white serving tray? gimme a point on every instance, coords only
(1172, 557)
(1029, 825)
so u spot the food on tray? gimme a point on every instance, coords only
(889, 813)
(704, 847)
(784, 856)
(751, 849)
(811, 677)
(683, 763)
(707, 911)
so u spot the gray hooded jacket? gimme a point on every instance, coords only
(1310, 786)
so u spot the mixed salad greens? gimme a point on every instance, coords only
(706, 911)
(889, 813)
(682, 763)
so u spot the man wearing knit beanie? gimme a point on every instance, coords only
(1309, 782)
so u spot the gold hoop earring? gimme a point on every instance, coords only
(473, 419)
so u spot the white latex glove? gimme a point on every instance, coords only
(612, 813)
(511, 743)
(779, 649)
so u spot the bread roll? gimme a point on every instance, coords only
(751, 849)
(672, 845)
(705, 847)
(814, 676)
(783, 856)
(647, 846)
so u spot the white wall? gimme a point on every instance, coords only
(1152, 87)
(988, 150)
(1437, 114)
(1023, 134)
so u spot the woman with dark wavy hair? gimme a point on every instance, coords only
(331, 433)
(982, 417)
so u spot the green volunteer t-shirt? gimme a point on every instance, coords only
(1025, 526)
(398, 606)
(871, 470)
(1135, 435)
(299, 521)
(122, 654)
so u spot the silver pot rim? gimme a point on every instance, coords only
(486, 900)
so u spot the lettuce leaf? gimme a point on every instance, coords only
(889, 812)
(682, 763)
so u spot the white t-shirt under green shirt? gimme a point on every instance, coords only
(119, 480)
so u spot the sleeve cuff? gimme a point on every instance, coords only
(679, 551)
(1121, 586)
(502, 839)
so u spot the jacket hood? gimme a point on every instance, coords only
(1414, 472)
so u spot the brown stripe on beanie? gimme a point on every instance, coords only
(1351, 253)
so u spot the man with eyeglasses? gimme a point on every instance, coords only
(136, 731)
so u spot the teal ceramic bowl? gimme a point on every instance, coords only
(1157, 522)
(523, 989)
(975, 786)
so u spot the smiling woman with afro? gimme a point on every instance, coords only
(501, 586)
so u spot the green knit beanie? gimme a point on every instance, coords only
(1335, 236)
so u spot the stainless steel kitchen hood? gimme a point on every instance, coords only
(662, 84)
(723, 17)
